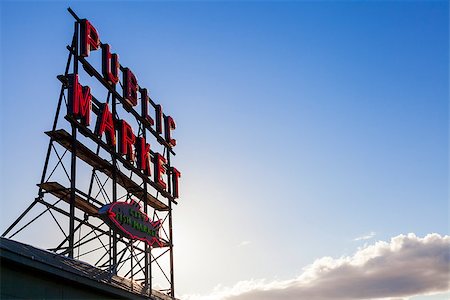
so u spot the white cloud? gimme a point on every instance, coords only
(365, 237)
(404, 267)
(244, 243)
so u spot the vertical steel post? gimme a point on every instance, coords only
(55, 120)
(169, 185)
(114, 187)
(148, 258)
(73, 159)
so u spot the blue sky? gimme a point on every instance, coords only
(301, 125)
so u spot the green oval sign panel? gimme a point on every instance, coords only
(129, 221)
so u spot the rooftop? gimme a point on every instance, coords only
(74, 270)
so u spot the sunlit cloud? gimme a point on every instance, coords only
(405, 266)
(365, 237)
(244, 243)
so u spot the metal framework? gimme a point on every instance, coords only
(81, 174)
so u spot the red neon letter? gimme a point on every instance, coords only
(89, 38)
(143, 156)
(80, 100)
(169, 125)
(126, 140)
(144, 106)
(175, 175)
(110, 65)
(159, 170)
(105, 123)
(130, 87)
(159, 116)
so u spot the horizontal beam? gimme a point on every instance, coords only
(88, 133)
(65, 139)
(63, 193)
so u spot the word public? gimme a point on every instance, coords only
(119, 134)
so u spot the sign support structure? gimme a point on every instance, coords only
(104, 203)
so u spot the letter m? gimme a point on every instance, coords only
(80, 100)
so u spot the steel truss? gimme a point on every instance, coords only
(84, 235)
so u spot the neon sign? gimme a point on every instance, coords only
(130, 221)
(118, 133)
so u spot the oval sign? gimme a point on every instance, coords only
(130, 221)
